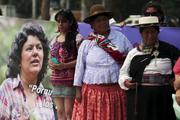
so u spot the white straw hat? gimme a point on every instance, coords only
(148, 21)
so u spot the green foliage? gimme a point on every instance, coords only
(2, 73)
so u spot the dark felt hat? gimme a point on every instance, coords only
(97, 10)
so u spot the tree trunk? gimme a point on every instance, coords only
(85, 7)
(64, 4)
(3, 2)
(45, 5)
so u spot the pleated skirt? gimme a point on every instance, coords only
(100, 102)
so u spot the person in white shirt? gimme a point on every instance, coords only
(100, 56)
(146, 75)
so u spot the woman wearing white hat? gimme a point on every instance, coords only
(98, 95)
(146, 75)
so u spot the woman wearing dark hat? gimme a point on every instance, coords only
(146, 75)
(98, 95)
(22, 94)
(63, 53)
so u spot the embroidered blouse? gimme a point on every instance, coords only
(58, 52)
(94, 65)
(160, 65)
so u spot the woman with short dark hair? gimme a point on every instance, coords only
(22, 95)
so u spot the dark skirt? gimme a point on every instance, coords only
(153, 103)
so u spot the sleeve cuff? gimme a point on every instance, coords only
(122, 80)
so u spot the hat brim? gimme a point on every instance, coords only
(146, 25)
(92, 17)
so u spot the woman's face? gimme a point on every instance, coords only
(100, 24)
(32, 56)
(151, 11)
(63, 24)
(149, 35)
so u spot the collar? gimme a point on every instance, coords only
(112, 35)
(17, 82)
(148, 50)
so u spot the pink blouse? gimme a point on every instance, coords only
(58, 52)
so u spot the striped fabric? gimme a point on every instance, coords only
(13, 101)
(62, 77)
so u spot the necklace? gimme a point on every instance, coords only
(149, 49)
(156, 53)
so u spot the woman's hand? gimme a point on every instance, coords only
(129, 84)
(78, 94)
(177, 82)
(22, 115)
(178, 96)
(177, 88)
(59, 66)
